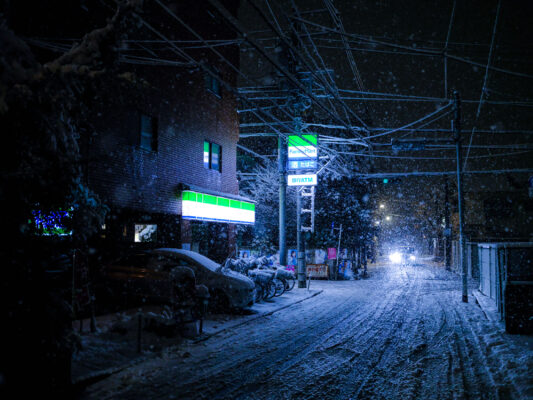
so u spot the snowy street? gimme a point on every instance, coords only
(403, 333)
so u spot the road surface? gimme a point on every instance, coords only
(401, 334)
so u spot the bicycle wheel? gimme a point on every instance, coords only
(289, 284)
(259, 293)
(280, 287)
(270, 290)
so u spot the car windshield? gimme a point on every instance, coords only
(190, 255)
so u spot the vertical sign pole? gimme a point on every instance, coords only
(300, 241)
(282, 167)
(447, 236)
(457, 138)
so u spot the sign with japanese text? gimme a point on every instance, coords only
(304, 147)
(302, 180)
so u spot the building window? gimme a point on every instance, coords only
(145, 233)
(212, 156)
(212, 84)
(148, 133)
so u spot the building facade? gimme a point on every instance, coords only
(160, 148)
(163, 157)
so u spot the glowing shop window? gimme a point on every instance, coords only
(145, 233)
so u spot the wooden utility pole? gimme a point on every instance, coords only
(282, 167)
(457, 139)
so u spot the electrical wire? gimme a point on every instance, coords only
(436, 53)
(432, 158)
(278, 66)
(485, 79)
(411, 123)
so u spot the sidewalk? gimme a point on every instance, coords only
(115, 344)
(488, 306)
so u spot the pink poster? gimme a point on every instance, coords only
(332, 253)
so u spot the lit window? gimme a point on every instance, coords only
(148, 133)
(212, 156)
(145, 233)
(212, 84)
(206, 154)
(215, 157)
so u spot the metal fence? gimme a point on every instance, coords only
(471, 259)
(505, 273)
(490, 270)
(506, 276)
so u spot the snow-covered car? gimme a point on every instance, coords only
(228, 288)
(405, 255)
(147, 276)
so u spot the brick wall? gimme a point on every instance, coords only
(127, 176)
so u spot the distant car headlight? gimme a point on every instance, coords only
(395, 257)
(412, 257)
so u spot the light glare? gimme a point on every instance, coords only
(395, 257)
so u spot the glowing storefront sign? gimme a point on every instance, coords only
(302, 180)
(206, 207)
(303, 148)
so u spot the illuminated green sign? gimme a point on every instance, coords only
(304, 147)
(206, 207)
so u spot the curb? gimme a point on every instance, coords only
(266, 314)
(93, 377)
(489, 310)
(96, 376)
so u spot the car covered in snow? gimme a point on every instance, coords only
(146, 276)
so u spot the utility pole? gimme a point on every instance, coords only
(282, 168)
(300, 242)
(297, 108)
(457, 139)
(447, 229)
(419, 144)
(338, 253)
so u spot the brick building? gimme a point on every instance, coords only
(164, 156)
(161, 151)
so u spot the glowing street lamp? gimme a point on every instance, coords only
(387, 217)
(382, 206)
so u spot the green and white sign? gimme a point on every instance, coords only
(302, 148)
(302, 180)
(206, 207)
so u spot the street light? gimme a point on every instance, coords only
(382, 205)
(387, 217)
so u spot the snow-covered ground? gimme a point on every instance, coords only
(403, 333)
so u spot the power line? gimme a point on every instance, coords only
(206, 70)
(446, 50)
(430, 158)
(484, 82)
(411, 123)
(418, 50)
(236, 25)
(441, 173)
(225, 60)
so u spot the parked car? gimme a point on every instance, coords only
(146, 276)
(228, 288)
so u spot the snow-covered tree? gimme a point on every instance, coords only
(45, 115)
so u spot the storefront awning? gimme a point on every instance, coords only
(198, 204)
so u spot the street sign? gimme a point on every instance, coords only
(302, 147)
(302, 164)
(302, 180)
